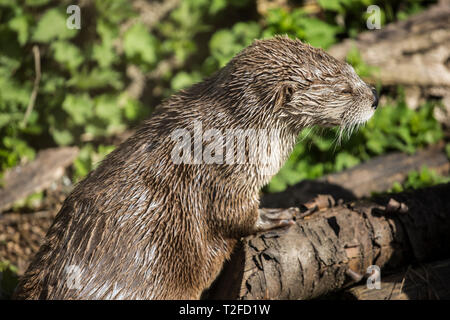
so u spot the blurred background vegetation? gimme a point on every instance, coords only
(98, 82)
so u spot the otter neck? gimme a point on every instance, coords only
(265, 145)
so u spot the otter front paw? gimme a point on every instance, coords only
(270, 219)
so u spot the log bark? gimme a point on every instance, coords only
(323, 253)
(35, 176)
(425, 282)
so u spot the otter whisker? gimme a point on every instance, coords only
(308, 131)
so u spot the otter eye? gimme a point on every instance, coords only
(347, 91)
(289, 93)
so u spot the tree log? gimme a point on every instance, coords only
(424, 282)
(323, 253)
(35, 176)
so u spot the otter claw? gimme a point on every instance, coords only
(270, 219)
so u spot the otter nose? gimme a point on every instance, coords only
(375, 98)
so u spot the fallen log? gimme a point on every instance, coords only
(409, 52)
(376, 175)
(424, 282)
(35, 176)
(413, 53)
(332, 248)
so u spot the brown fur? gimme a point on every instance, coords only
(142, 227)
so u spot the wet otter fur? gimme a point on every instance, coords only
(143, 227)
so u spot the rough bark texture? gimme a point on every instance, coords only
(424, 282)
(414, 53)
(313, 257)
(35, 176)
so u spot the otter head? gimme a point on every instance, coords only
(305, 85)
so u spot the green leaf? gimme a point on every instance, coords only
(96, 78)
(224, 44)
(405, 135)
(5, 118)
(183, 79)
(80, 107)
(104, 53)
(83, 162)
(52, 25)
(89, 158)
(345, 160)
(67, 54)
(322, 143)
(9, 3)
(140, 44)
(333, 5)
(115, 11)
(216, 6)
(19, 147)
(396, 187)
(319, 33)
(14, 93)
(132, 108)
(8, 65)
(62, 137)
(103, 151)
(51, 83)
(276, 185)
(291, 176)
(36, 3)
(107, 108)
(20, 25)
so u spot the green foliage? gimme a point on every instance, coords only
(224, 44)
(82, 98)
(88, 159)
(51, 26)
(419, 179)
(140, 46)
(352, 14)
(298, 24)
(80, 88)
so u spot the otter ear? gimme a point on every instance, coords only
(283, 96)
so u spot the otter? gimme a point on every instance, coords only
(156, 220)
